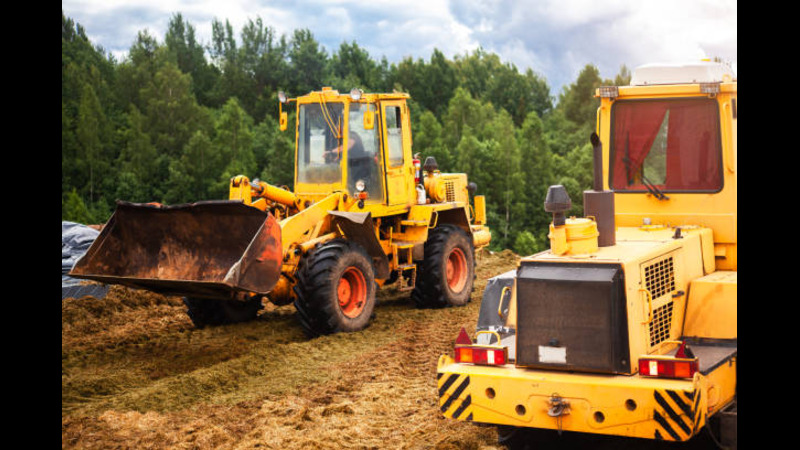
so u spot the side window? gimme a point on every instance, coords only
(394, 135)
(363, 154)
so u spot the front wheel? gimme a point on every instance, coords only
(448, 270)
(335, 291)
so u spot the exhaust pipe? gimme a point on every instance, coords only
(598, 202)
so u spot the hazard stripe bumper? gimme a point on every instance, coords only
(454, 400)
(633, 406)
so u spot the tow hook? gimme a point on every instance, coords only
(558, 408)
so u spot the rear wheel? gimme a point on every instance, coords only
(205, 311)
(511, 437)
(335, 289)
(522, 438)
(448, 270)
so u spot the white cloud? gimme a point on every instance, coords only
(555, 38)
(565, 35)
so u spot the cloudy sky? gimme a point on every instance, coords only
(555, 38)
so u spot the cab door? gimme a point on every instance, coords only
(396, 131)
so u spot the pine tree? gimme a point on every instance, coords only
(90, 121)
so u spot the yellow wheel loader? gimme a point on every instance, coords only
(627, 325)
(363, 214)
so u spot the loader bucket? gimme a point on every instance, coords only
(213, 249)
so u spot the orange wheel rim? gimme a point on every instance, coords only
(456, 270)
(352, 292)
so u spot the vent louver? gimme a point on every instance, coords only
(451, 191)
(659, 280)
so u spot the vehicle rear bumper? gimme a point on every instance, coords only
(622, 405)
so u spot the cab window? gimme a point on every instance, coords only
(319, 140)
(394, 135)
(673, 145)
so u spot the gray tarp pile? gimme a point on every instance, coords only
(489, 319)
(75, 240)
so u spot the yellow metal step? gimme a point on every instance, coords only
(414, 223)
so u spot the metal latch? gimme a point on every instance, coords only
(500, 303)
(558, 408)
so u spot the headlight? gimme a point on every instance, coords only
(281, 96)
(355, 94)
(360, 186)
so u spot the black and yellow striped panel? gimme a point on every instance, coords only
(677, 414)
(452, 399)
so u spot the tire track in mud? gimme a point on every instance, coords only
(381, 398)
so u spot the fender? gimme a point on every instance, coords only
(359, 228)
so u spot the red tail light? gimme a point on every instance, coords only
(481, 355)
(467, 353)
(668, 367)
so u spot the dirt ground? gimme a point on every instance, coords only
(136, 373)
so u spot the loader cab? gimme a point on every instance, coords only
(356, 143)
(671, 153)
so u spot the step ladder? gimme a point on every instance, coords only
(404, 261)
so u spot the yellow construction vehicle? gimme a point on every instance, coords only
(362, 214)
(627, 325)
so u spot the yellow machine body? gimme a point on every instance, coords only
(580, 318)
(399, 225)
(578, 236)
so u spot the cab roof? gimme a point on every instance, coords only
(333, 95)
(682, 73)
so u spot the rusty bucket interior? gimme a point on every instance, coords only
(213, 249)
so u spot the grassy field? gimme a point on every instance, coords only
(136, 373)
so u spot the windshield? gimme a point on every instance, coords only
(672, 145)
(319, 137)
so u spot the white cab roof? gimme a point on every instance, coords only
(681, 73)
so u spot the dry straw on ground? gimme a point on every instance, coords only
(135, 373)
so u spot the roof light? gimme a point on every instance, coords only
(356, 94)
(282, 97)
(709, 88)
(608, 91)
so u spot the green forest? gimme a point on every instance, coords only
(175, 119)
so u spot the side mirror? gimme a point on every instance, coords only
(284, 121)
(369, 119)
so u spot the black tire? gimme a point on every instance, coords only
(522, 438)
(319, 289)
(432, 289)
(511, 437)
(205, 311)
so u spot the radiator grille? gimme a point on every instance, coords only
(450, 187)
(660, 277)
(577, 308)
(661, 325)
